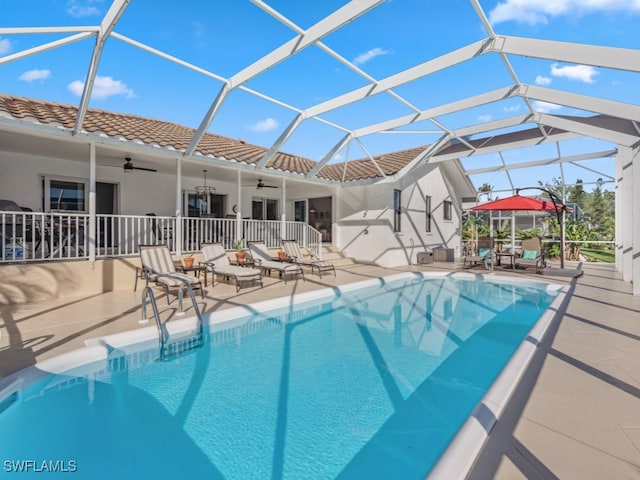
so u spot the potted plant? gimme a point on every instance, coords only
(188, 261)
(240, 254)
(282, 255)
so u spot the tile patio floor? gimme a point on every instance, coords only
(575, 415)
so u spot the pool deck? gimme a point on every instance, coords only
(575, 414)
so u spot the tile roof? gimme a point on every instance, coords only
(170, 135)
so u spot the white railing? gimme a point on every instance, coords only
(505, 244)
(197, 231)
(33, 236)
(41, 236)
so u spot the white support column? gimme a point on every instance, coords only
(239, 212)
(618, 212)
(178, 238)
(283, 214)
(92, 203)
(626, 211)
(635, 224)
(336, 234)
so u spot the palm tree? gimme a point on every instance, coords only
(471, 224)
(485, 189)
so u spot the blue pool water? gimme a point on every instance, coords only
(373, 384)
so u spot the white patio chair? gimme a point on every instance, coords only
(261, 257)
(217, 262)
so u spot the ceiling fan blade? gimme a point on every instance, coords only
(269, 186)
(146, 169)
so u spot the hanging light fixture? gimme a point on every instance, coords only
(204, 191)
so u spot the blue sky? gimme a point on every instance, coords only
(224, 37)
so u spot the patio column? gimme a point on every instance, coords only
(92, 203)
(627, 160)
(618, 212)
(624, 217)
(239, 212)
(635, 224)
(178, 236)
(283, 214)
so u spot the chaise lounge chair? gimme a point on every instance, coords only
(262, 258)
(158, 267)
(531, 254)
(217, 262)
(484, 256)
(292, 249)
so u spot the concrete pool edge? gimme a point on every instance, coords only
(461, 454)
(457, 459)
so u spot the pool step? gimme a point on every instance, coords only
(175, 348)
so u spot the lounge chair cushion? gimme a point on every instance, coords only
(174, 279)
(529, 255)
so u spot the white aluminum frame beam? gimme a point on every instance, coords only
(582, 102)
(414, 73)
(336, 148)
(321, 29)
(587, 130)
(48, 46)
(492, 148)
(540, 163)
(578, 53)
(429, 114)
(106, 27)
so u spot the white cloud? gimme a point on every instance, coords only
(539, 11)
(36, 74)
(484, 118)
(5, 46)
(545, 107)
(373, 53)
(540, 80)
(86, 8)
(265, 125)
(582, 73)
(103, 87)
(512, 108)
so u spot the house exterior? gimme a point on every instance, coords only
(382, 210)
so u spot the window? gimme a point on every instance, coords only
(64, 194)
(446, 210)
(427, 209)
(300, 211)
(397, 210)
(198, 206)
(264, 209)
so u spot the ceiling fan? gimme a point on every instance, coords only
(260, 185)
(128, 166)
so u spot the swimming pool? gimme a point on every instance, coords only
(371, 382)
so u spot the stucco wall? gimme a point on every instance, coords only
(365, 231)
(139, 192)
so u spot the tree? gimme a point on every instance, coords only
(472, 226)
(554, 186)
(577, 195)
(485, 189)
